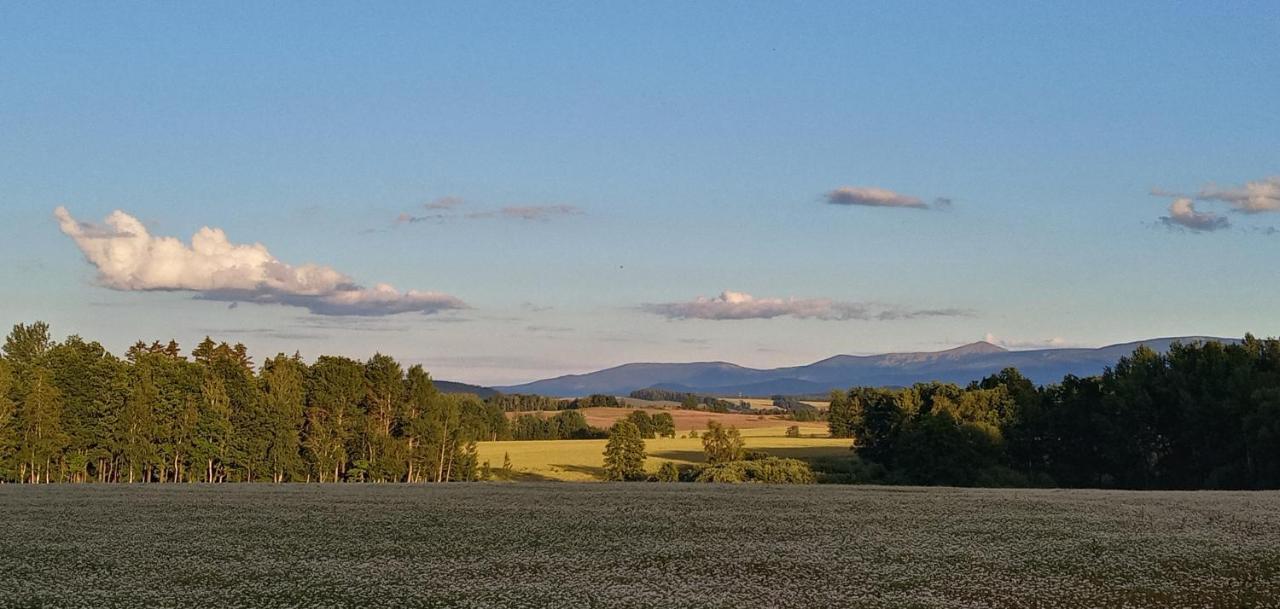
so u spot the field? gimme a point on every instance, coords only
(632, 545)
(685, 419)
(582, 460)
(767, 403)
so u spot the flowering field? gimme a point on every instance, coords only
(632, 545)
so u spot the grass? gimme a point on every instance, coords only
(633, 546)
(583, 460)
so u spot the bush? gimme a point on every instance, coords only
(793, 431)
(770, 470)
(847, 470)
(999, 476)
(668, 472)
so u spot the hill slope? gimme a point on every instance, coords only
(959, 365)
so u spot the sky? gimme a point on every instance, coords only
(509, 191)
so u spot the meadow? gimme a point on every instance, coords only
(685, 420)
(632, 545)
(583, 460)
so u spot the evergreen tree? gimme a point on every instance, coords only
(624, 453)
(840, 415)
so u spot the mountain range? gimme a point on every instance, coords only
(958, 365)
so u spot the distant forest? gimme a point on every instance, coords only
(1200, 416)
(1203, 415)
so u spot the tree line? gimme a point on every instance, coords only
(71, 411)
(690, 401)
(1202, 415)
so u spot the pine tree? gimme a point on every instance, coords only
(624, 453)
(840, 415)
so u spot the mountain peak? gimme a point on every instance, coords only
(977, 348)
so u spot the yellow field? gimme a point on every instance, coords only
(767, 403)
(583, 460)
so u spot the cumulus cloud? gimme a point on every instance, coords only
(1182, 213)
(1252, 198)
(880, 197)
(129, 258)
(739, 305)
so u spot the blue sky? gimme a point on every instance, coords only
(605, 165)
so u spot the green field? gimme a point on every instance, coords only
(583, 460)
(632, 545)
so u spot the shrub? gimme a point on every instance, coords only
(770, 470)
(668, 472)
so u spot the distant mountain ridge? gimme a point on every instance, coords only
(456, 387)
(958, 365)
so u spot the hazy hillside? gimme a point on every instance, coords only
(959, 365)
(456, 387)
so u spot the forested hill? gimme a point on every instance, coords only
(959, 365)
(456, 387)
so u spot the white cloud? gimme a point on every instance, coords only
(1252, 198)
(129, 258)
(1182, 212)
(739, 305)
(879, 197)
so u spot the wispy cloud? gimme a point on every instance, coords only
(1183, 214)
(730, 305)
(129, 258)
(446, 209)
(1252, 198)
(541, 212)
(870, 196)
(537, 213)
(443, 203)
